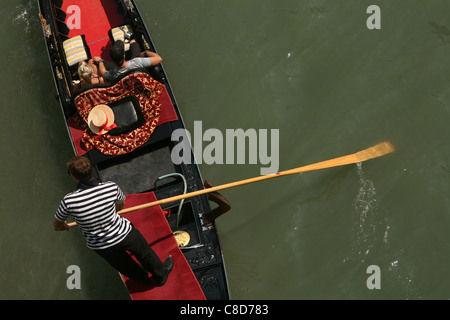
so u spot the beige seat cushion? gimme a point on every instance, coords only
(75, 50)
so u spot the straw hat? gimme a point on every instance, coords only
(101, 119)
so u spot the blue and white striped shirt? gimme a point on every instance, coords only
(93, 208)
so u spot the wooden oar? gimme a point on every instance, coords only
(376, 151)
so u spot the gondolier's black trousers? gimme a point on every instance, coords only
(118, 257)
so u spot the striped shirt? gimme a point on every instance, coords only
(92, 206)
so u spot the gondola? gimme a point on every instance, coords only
(137, 155)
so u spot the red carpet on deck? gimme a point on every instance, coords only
(95, 26)
(151, 222)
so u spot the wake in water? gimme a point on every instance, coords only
(22, 15)
(365, 201)
(372, 243)
(367, 222)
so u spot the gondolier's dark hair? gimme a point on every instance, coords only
(80, 168)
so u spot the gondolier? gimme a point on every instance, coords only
(94, 207)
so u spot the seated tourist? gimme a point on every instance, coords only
(88, 73)
(136, 60)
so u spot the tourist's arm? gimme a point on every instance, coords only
(101, 66)
(154, 57)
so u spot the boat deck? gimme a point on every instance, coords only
(137, 172)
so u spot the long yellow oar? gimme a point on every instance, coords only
(376, 151)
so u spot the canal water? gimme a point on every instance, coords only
(312, 69)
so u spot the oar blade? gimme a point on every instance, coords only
(376, 151)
